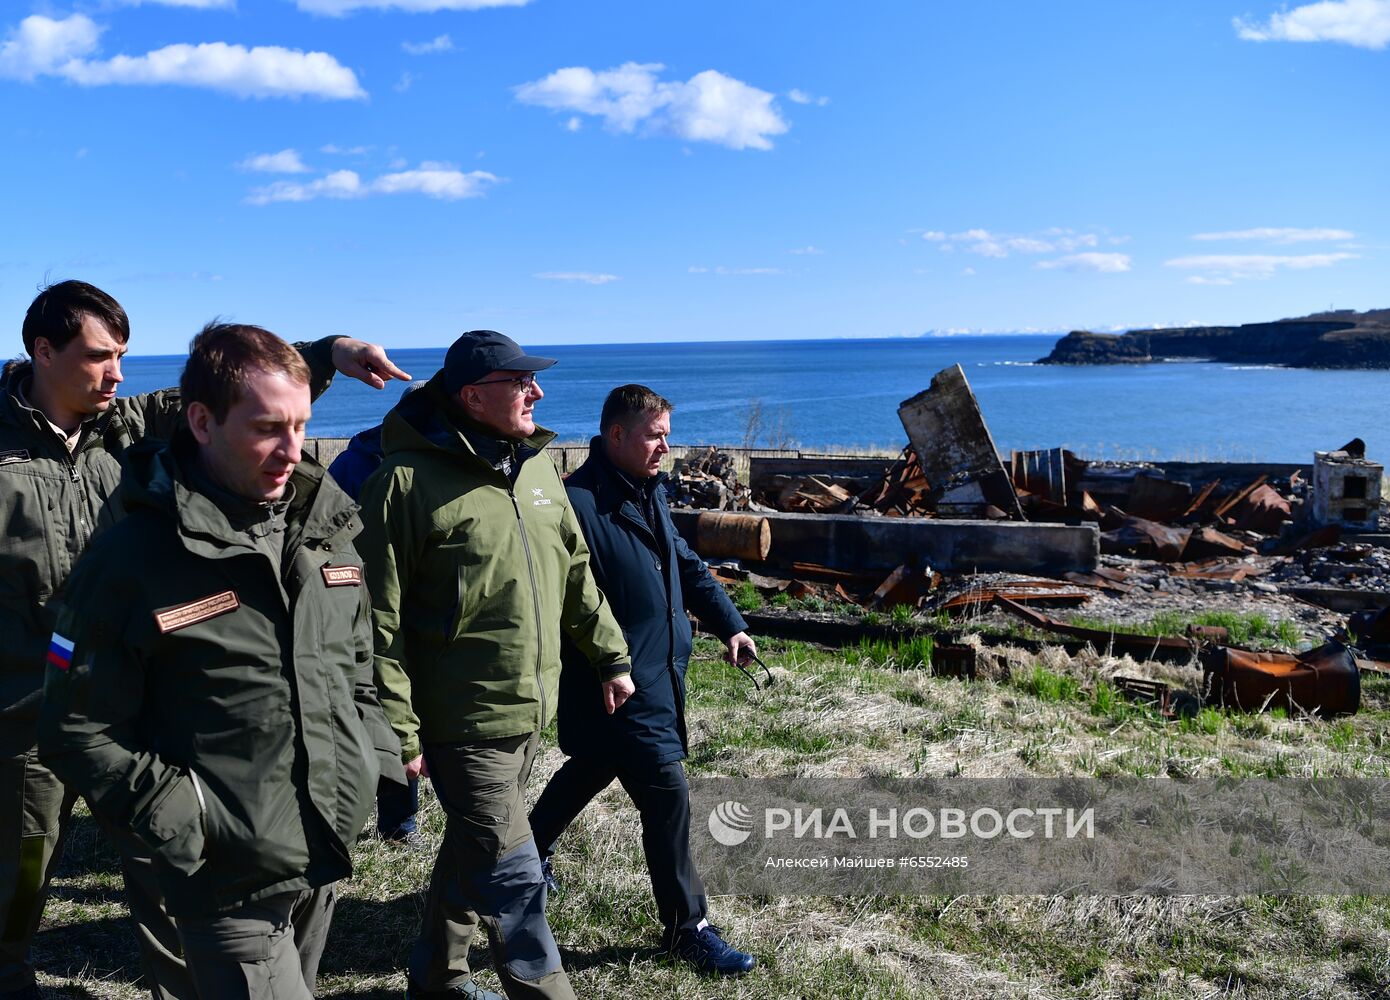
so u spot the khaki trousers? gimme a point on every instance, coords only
(266, 950)
(487, 872)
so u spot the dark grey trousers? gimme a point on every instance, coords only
(266, 950)
(662, 798)
(487, 872)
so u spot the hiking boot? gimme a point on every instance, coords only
(466, 990)
(710, 953)
(552, 884)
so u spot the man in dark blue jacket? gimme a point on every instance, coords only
(651, 578)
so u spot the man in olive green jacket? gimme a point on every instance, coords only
(222, 709)
(62, 433)
(476, 565)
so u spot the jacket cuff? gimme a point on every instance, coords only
(319, 357)
(614, 670)
(410, 749)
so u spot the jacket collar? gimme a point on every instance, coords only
(155, 476)
(15, 408)
(423, 421)
(615, 491)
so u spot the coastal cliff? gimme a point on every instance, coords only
(1342, 339)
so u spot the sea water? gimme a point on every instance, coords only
(820, 395)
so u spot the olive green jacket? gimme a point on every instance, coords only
(222, 712)
(472, 580)
(50, 505)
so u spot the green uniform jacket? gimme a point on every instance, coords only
(472, 578)
(224, 714)
(50, 504)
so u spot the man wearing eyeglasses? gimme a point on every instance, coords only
(476, 566)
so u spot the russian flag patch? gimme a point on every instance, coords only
(60, 652)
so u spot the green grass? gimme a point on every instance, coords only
(746, 597)
(852, 713)
(1243, 629)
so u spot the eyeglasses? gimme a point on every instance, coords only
(525, 383)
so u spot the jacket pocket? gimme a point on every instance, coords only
(174, 826)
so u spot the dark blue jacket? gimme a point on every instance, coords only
(358, 461)
(651, 579)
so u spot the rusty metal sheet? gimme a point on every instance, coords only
(952, 442)
(1038, 591)
(1264, 511)
(1147, 539)
(1157, 499)
(1041, 473)
(1230, 503)
(1140, 647)
(1208, 543)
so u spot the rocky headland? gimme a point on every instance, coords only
(1341, 339)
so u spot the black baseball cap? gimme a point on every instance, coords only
(479, 353)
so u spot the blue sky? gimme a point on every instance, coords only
(579, 172)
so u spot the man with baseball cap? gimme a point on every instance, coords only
(476, 566)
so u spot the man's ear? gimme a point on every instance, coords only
(615, 433)
(43, 351)
(200, 422)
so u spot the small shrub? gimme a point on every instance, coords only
(901, 614)
(1045, 685)
(746, 597)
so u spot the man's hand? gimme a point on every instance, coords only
(740, 649)
(617, 691)
(417, 769)
(365, 362)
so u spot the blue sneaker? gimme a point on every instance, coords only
(710, 953)
(552, 884)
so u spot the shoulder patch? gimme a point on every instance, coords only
(11, 457)
(184, 615)
(60, 651)
(342, 576)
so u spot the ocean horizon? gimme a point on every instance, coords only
(843, 394)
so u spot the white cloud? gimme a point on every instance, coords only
(1363, 23)
(440, 43)
(1099, 263)
(807, 251)
(709, 107)
(1001, 245)
(1276, 235)
(801, 97)
(403, 84)
(41, 46)
(1224, 268)
(584, 277)
(334, 150)
(339, 8)
(573, 124)
(433, 180)
(286, 161)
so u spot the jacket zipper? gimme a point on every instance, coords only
(535, 598)
(76, 478)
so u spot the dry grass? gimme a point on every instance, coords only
(832, 716)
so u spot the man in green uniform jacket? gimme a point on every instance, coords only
(222, 709)
(62, 433)
(476, 565)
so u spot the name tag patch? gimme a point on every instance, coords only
(342, 576)
(184, 615)
(10, 457)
